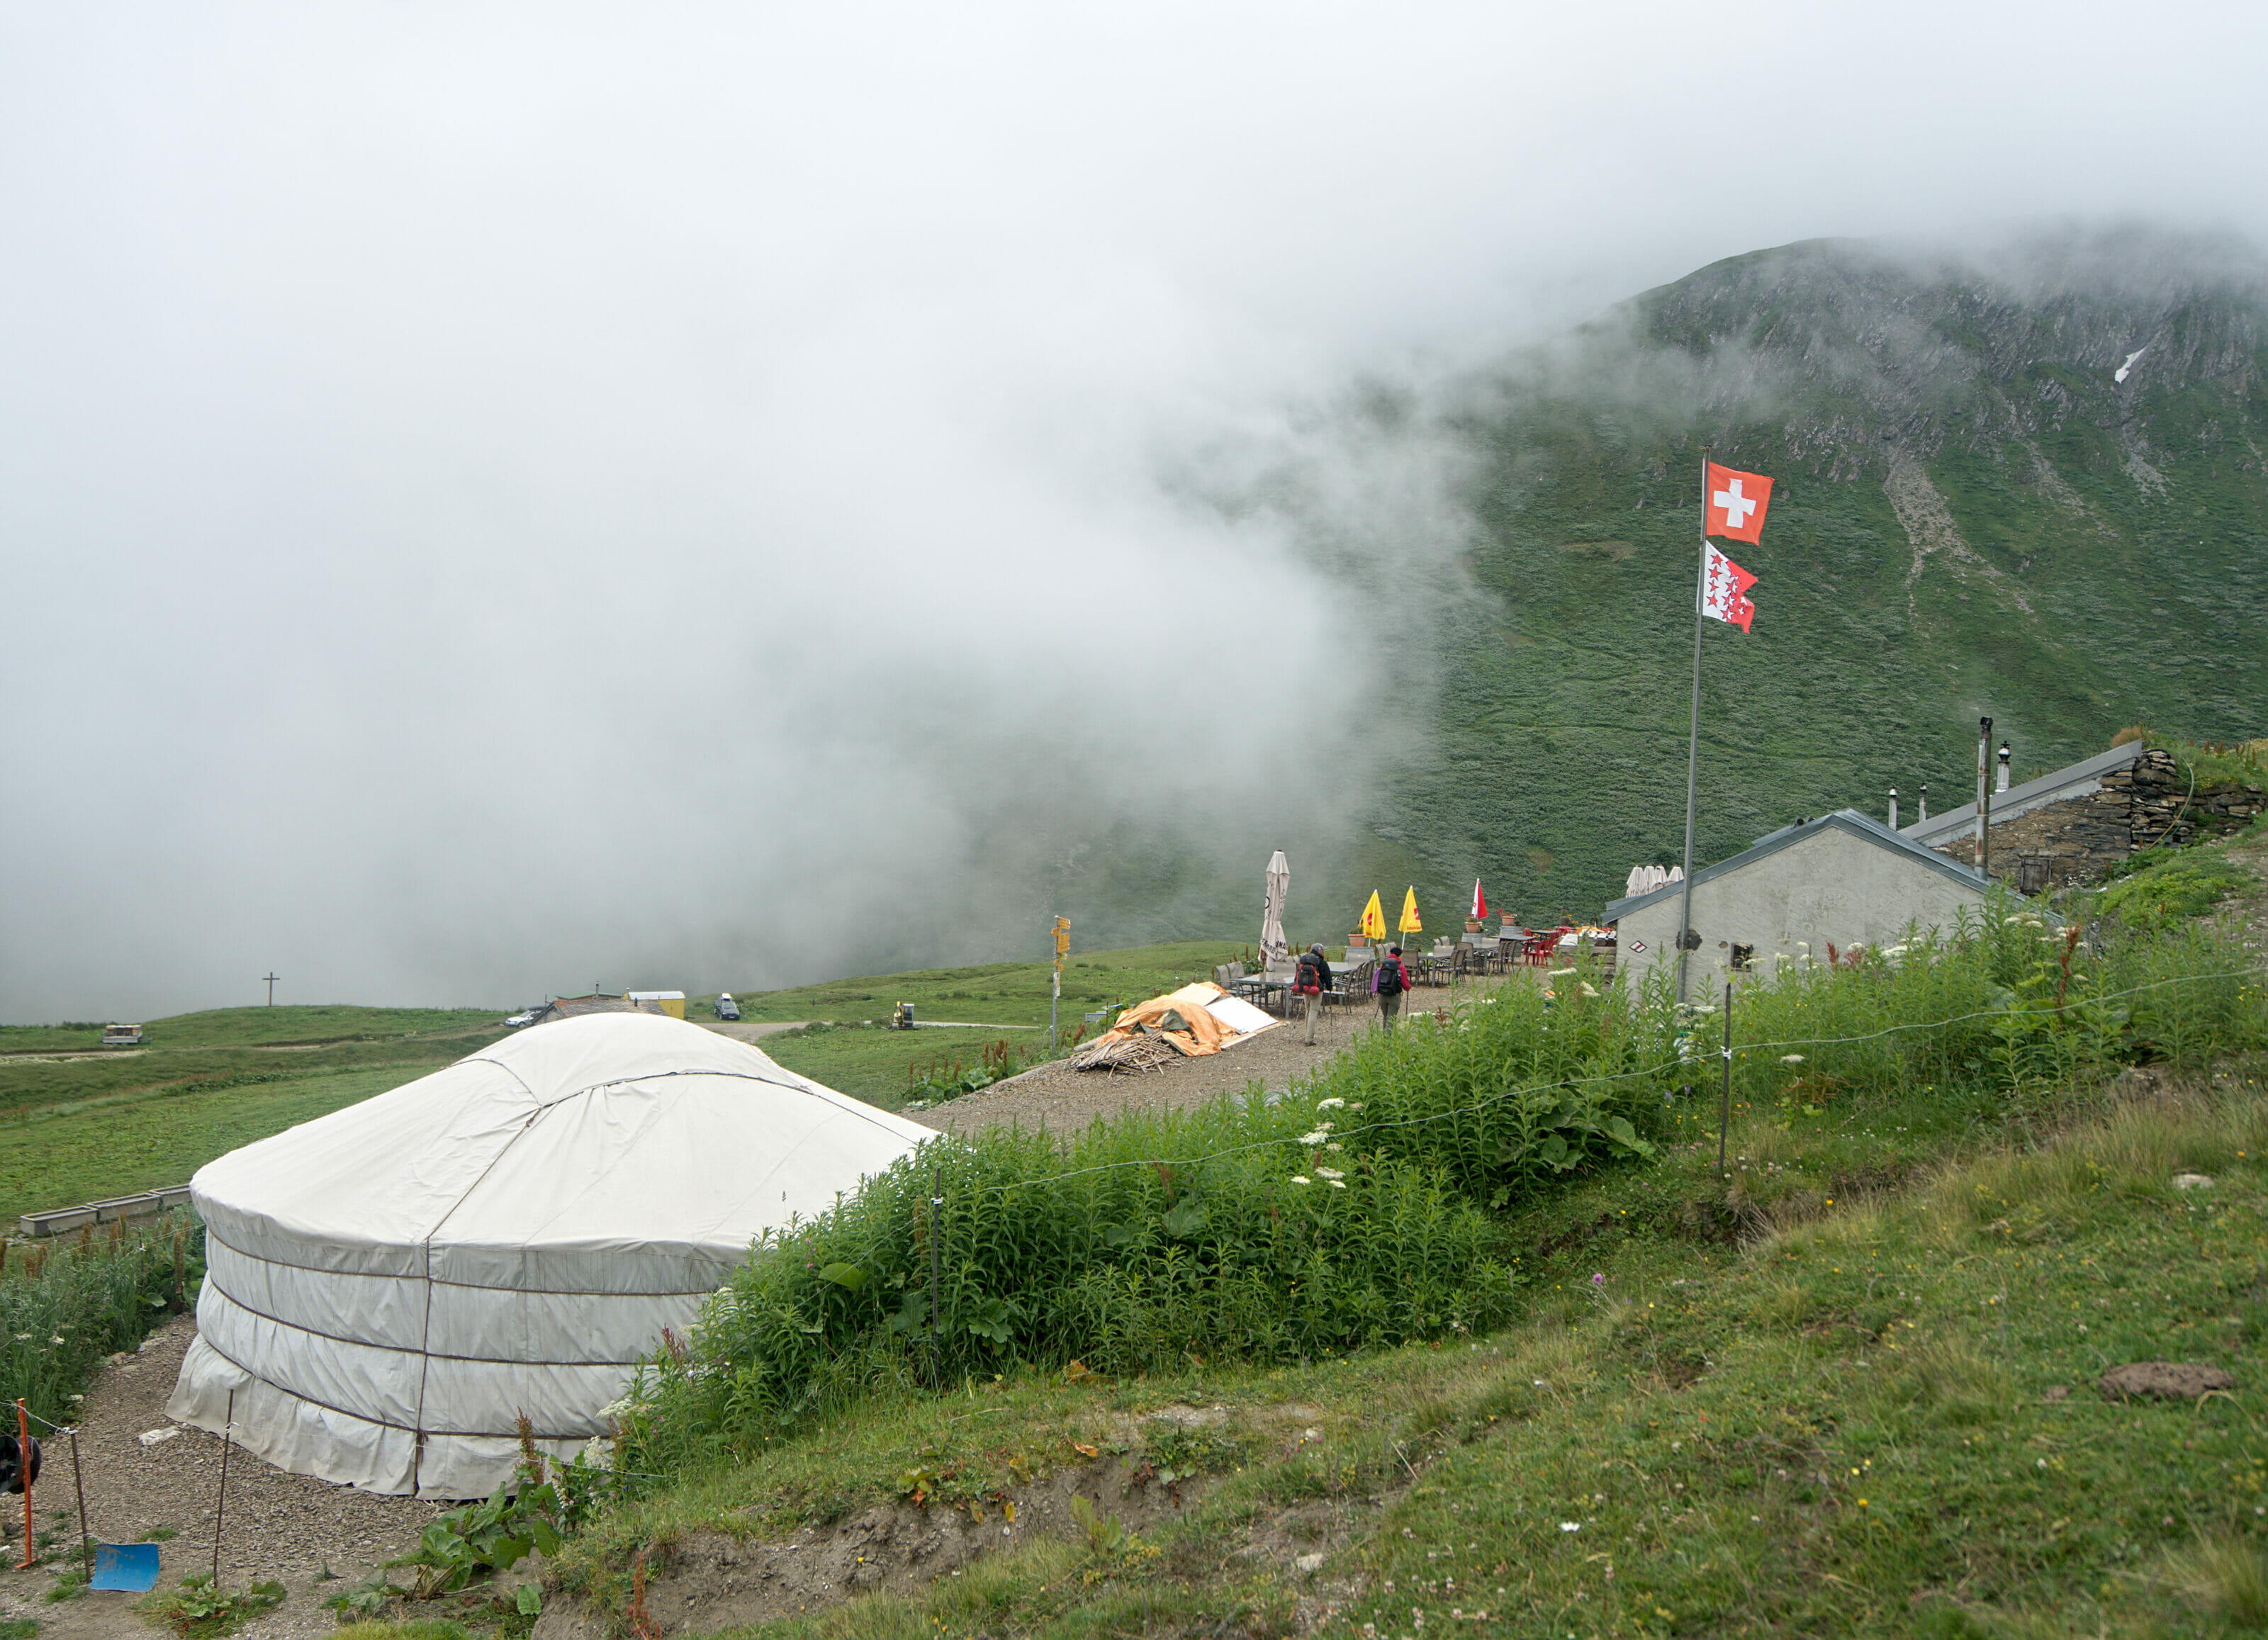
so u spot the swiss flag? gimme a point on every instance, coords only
(1736, 503)
(1725, 591)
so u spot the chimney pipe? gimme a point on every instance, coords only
(1893, 808)
(2003, 786)
(1925, 799)
(1983, 797)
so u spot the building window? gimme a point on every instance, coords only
(1743, 957)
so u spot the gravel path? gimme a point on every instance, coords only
(1064, 1100)
(279, 1526)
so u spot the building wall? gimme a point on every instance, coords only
(1830, 888)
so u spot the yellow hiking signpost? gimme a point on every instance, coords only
(1063, 950)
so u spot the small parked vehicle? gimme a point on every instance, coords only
(121, 1036)
(525, 1017)
(724, 1007)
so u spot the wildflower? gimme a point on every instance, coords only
(1561, 972)
(1598, 1281)
(1301, 1179)
(23, 1337)
(1791, 1059)
(1571, 1525)
(1357, 1104)
(1331, 1104)
(57, 1339)
(1588, 989)
(1338, 1184)
(1328, 1172)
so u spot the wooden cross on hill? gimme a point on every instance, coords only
(271, 979)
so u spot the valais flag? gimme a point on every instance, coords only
(1736, 503)
(1725, 591)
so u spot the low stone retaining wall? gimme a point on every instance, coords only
(2147, 805)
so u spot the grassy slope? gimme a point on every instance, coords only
(79, 1129)
(1843, 1428)
(1561, 717)
(62, 1155)
(249, 1028)
(1000, 993)
(1553, 705)
(1817, 1397)
(878, 1065)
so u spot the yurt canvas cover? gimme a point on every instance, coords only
(390, 1286)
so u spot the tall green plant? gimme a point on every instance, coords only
(66, 1303)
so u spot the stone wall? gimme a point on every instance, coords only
(2077, 840)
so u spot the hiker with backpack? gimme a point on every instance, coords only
(1388, 983)
(1315, 978)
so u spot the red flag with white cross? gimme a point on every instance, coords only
(1736, 503)
(1725, 591)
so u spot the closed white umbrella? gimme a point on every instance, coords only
(1272, 945)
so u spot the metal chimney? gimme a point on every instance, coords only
(2003, 786)
(1983, 797)
(1893, 808)
(1925, 799)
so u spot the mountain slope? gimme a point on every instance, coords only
(1974, 516)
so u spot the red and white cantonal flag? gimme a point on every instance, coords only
(1480, 902)
(1736, 503)
(1725, 591)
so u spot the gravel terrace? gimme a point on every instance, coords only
(1064, 1100)
(279, 1526)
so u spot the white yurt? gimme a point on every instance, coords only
(389, 1287)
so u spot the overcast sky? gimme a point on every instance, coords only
(494, 499)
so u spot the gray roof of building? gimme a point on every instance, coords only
(1851, 820)
(2073, 781)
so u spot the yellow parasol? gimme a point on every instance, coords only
(1410, 925)
(1372, 925)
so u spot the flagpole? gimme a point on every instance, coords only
(1693, 737)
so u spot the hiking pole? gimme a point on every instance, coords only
(24, 1473)
(228, 1425)
(1725, 1109)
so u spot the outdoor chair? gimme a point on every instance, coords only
(1350, 986)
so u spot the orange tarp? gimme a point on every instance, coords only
(1197, 1032)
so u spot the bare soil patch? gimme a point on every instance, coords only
(714, 1581)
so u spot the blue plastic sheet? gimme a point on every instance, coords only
(130, 1567)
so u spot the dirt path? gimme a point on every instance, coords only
(279, 1526)
(750, 1030)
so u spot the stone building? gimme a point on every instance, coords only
(2072, 826)
(1840, 881)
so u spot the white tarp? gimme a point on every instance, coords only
(1237, 1015)
(390, 1286)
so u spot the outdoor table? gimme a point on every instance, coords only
(1264, 994)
